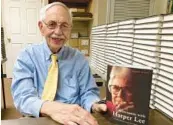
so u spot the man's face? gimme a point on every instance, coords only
(121, 90)
(56, 27)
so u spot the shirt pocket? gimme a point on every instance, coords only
(70, 87)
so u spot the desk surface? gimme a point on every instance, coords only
(155, 119)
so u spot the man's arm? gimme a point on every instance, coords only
(24, 92)
(89, 92)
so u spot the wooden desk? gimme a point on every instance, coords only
(155, 119)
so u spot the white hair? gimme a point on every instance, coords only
(45, 8)
(115, 71)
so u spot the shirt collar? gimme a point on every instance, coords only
(48, 51)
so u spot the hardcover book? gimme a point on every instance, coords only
(128, 94)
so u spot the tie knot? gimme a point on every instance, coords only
(54, 57)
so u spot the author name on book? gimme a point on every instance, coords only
(128, 116)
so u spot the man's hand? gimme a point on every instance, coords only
(125, 106)
(67, 114)
(99, 107)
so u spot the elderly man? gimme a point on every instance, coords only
(53, 80)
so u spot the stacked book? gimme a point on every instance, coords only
(146, 46)
(98, 35)
(164, 84)
(112, 30)
(124, 42)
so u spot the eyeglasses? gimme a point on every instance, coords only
(53, 25)
(126, 89)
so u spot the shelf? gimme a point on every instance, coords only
(82, 18)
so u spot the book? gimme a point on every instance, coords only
(128, 94)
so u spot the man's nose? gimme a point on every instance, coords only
(58, 30)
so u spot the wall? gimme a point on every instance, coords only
(158, 7)
(93, 8)
(44, 2)
(81, 27)
(102, 9)
(99, 9)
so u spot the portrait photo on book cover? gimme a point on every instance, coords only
(128, 93)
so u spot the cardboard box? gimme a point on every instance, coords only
(84, 42)
(84, 47)
(75, 35)
(73, 9)
(85, 52)
(80, 10)
(74, 43)
(75, 47)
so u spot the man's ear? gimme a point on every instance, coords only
(40, 25)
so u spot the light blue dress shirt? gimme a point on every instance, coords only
(76, 84)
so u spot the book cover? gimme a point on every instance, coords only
(128, 94)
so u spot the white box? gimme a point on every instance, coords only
(84, 51)
(85, 42)
(74, 35)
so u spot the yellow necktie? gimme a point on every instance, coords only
(51, 83)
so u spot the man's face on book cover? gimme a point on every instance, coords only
(121, 88)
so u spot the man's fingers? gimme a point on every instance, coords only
(86, 123)
(125, 106)
(75, 119)
(131, 103)
(122, 105)
(128, 108)
(71, 123)
(73, 115)
(86, 117)
(99, 107)
(83, 117)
